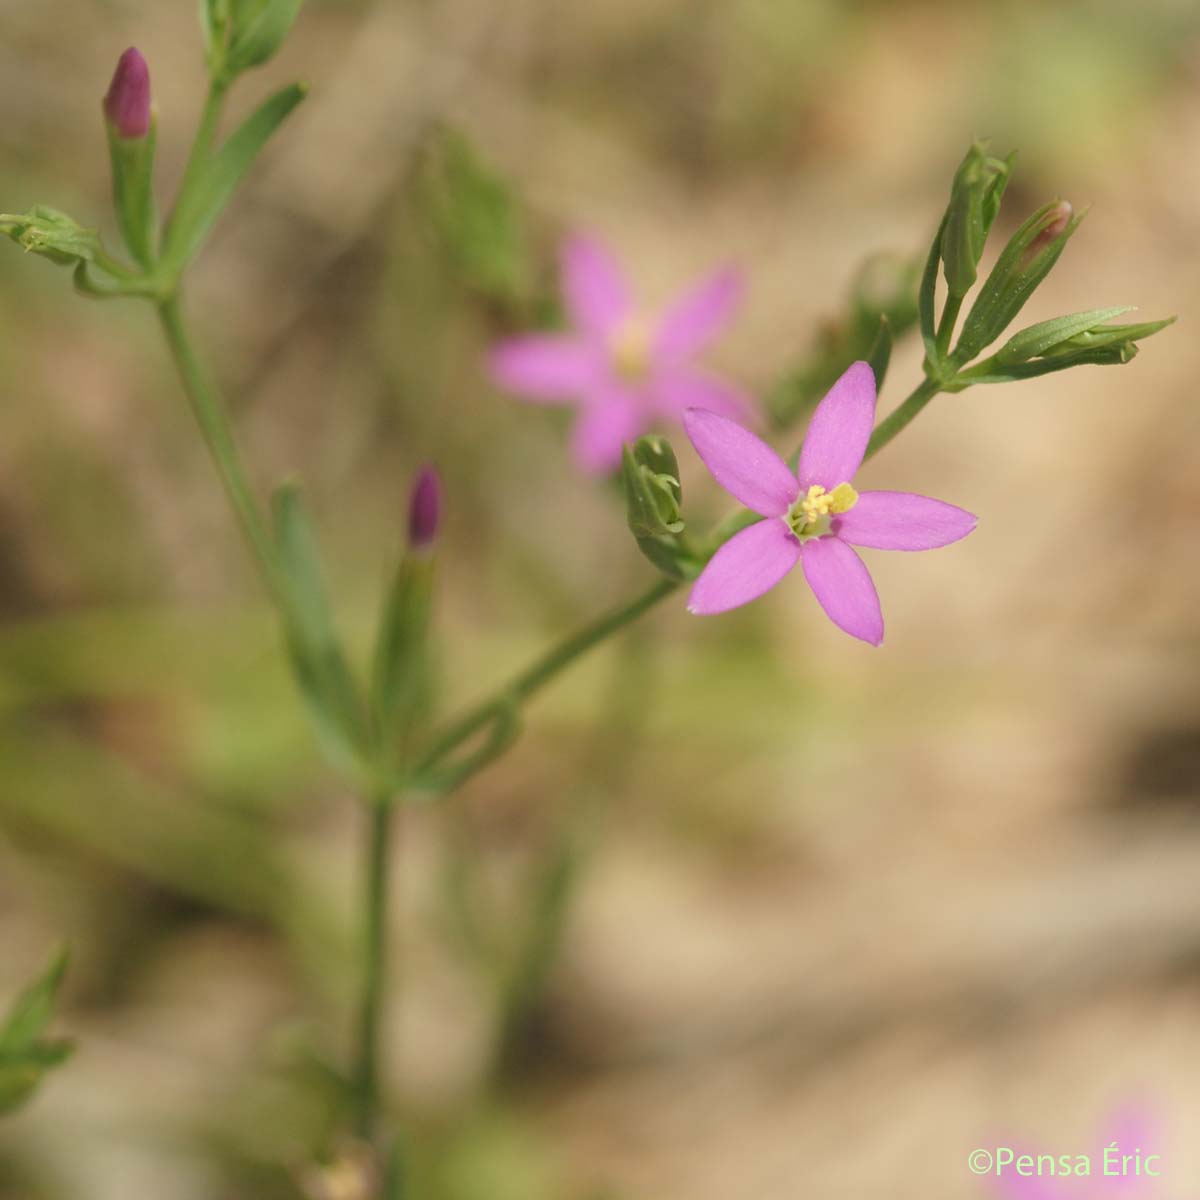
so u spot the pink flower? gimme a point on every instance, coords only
(622, 370)
(815, 516)
(1126, 1162)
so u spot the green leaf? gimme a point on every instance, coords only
(25, 1054)
(314, 647)
(203, 203)
(259, 29)
(1039, 338)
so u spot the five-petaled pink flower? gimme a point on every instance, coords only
(624, 371)
(814, 516)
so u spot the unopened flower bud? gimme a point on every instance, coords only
(127, 102)
(1056, 221)
(1024, 263)
(424, 509)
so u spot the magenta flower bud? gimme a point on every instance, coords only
(127, 102)
(424, 509)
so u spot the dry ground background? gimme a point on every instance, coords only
(849, 913)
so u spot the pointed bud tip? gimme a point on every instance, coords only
(127, 102)
(424, 509)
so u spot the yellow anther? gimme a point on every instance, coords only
(810, 515)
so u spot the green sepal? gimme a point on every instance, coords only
(312, 641)
(653, 496)
(975, 196)
(257, 30)
(133, 191)
(200, 206)
(25, 1054)
(53, 235)
(1023, 264)
(1040, 338)
(402, 674)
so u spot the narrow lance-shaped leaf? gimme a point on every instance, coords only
(315, 649)
(202, 205)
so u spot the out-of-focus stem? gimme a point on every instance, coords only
(218, 437)
(365, 1080)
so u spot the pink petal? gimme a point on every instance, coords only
(749, 564)
(1131, 1128)
(744, 465)
(694, 320)
(545, 366)
(841, 582)
(605, 424)
(840, 429)
(594, 287)
(678, 387)
(902, 521)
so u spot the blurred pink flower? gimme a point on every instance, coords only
(623, 370)
(814, 516)
(127, 101)
(1127, 1133)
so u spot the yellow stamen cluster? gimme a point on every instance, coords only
(812, 515)
(630, 350)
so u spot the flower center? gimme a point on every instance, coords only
(630, 350)
(812, 514)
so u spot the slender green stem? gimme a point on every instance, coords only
(543, 670)
(365, 1082)
(210, 416)
(899, 417)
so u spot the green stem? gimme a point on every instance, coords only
(899, 417)
(365, 1083)
(218, 437)
(543, 670)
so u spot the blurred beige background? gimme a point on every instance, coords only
(848, 913)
